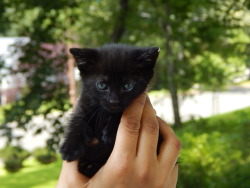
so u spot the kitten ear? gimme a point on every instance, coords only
(84, 57)
(146, 57)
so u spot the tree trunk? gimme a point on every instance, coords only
(167, 30)
(171, 85)
(120, 24)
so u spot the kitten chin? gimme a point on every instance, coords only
(115, 110)
(112, 76)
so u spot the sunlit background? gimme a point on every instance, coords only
(201, 85)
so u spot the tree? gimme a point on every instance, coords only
(193, 29)
(52, 28)
(194, 37)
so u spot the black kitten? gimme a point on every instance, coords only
(112, 76)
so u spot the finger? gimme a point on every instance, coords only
(70, 177)
(170, 147)
(61, 182)
(128, 130)
(149, 132)
(174, 177)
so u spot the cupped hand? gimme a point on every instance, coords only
(134, 161)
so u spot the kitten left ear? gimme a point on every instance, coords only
(146, 57)
(84, 57)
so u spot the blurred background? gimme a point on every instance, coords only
(201, 85)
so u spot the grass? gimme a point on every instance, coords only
(33, 175)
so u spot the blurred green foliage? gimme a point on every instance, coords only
(13, 157)
(204, 42)
(216, 151)
(44, 156)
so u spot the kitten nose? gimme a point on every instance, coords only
(114, 101)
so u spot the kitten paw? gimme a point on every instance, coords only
(70, 154)
(93, 159)
(88, 169)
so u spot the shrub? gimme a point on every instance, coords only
(13, 157)
(44, 156)
(13, 165)
(215, 151)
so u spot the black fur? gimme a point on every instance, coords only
(98, 111)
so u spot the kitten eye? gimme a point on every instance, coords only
(101, 85)
(128, 86)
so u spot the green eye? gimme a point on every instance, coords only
(128, 86)
(101, 85)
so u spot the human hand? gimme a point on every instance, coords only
(133, 161)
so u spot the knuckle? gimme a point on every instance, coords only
(132, 125)
(177, 144)
(140, 101)
(155, 112)
(163, 123)
(151, 127)
(144, 175)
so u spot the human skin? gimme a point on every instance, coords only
(133, 161)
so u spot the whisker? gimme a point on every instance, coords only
(97, 118)
(93, 114)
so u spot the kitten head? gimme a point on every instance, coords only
(114, 74)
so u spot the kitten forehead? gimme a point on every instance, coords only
(122, 57)
(116, 58)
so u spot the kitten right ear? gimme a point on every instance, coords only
(84, 57)
(146, 57)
